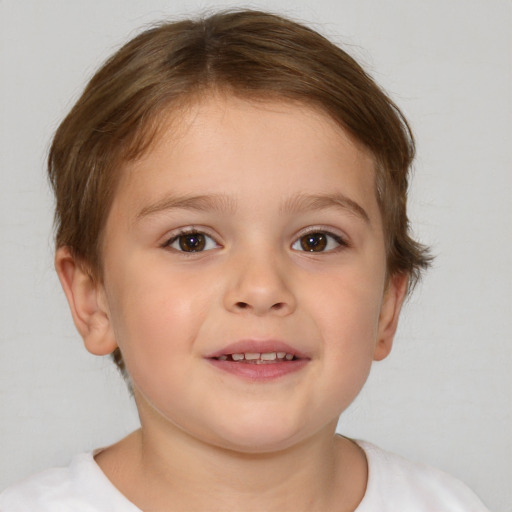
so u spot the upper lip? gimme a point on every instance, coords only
(258, 347)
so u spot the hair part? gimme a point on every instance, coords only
(251, 54)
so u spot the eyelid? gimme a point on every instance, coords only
(189, 230)
(341, 239)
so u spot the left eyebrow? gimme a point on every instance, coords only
(215, 202)
(305, 202)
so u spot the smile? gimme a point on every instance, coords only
(258, 358)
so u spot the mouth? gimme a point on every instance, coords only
(259, 360)
(258, 357)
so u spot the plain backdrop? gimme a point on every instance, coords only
(443, 397)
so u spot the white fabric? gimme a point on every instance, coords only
(394, 485)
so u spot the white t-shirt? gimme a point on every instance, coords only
(394, 485)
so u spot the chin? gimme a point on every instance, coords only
(263, 444)
(260, 436)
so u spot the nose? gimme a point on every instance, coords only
(260, 285)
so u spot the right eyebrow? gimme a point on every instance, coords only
(305, 202)
(206, 202)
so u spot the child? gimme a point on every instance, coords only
(231, 226)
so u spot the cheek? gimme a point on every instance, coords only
(155, 316)
(348, 303)
(347, 316)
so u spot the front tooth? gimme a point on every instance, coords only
(269, 356)
(289, 357)
(280, 355)
(237, 357)
(251, 356)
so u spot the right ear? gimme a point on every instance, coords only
(87, 301)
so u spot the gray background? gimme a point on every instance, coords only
(443, 396)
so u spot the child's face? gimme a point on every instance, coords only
(209, 244)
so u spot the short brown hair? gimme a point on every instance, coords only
(248, 53)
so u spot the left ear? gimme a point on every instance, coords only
(392, 301)
(87, 301)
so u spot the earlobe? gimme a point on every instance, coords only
(390, 311)
(86, 300)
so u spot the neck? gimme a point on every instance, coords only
(155, 469)
(293, 479)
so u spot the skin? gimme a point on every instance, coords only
(211, 440)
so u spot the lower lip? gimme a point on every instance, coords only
(264, 371)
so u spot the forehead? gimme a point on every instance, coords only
(250, 148)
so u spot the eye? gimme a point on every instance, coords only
(192, 241)
(318, 241)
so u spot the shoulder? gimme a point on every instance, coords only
(80, 487)
(43, 490)
(395, 483)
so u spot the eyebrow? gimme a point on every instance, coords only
(225, 204)
(306, 202)
(211, 202)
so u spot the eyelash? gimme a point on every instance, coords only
(190, 231)
(205, 240)
(329, 236)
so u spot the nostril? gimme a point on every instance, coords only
(260, 308)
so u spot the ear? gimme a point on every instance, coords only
(392, 301)
(87, 301)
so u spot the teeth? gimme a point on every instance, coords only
(258, 357)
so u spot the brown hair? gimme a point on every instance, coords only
(248, 53)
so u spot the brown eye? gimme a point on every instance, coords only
(192, 242)
(314, 242)
(319, 241)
